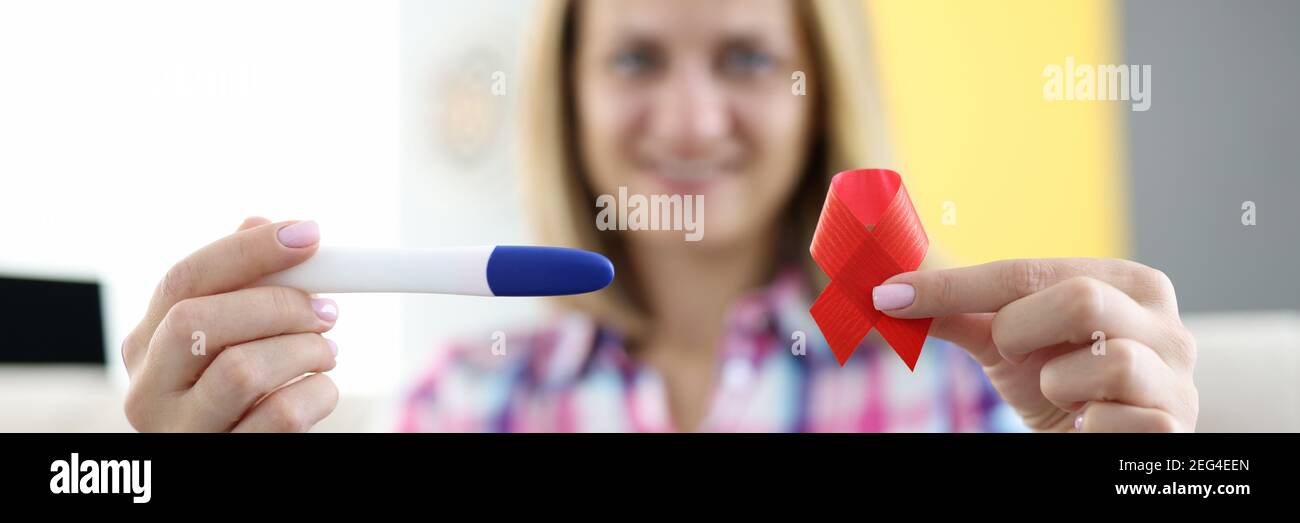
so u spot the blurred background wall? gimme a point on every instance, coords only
(134, 132)
(1031, 177)
(1017, 175)
(1224, 129)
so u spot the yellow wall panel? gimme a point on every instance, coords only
(1027, 177)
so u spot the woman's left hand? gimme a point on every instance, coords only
(1072, 344)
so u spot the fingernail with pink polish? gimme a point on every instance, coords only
(892, 296)
(334, 347)
(1078, 422)
(299, 235)
(325, 308)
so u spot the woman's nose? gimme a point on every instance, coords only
(691, 111)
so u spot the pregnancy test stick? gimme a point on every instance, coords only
(474, 271)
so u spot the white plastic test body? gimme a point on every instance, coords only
(475, 271)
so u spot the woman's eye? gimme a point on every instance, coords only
(746, 61)
(633, 61)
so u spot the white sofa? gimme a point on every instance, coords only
(1248, 371)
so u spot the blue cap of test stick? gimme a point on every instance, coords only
(546, 271)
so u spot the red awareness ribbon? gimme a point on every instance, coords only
(868, 232)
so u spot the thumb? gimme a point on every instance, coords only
(972, 331)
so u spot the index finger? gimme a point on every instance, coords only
(991, 286)
(225, 265)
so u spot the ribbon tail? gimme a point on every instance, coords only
(905, 336)
(841, 322)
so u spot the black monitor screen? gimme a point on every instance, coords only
(46, 321)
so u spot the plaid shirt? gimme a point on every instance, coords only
(576, 376)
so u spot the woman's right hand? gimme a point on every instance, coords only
(215, 354)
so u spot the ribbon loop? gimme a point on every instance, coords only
(868, 232)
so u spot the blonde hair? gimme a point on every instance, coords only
(562, 203)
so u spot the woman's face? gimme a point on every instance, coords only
(695, 98)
